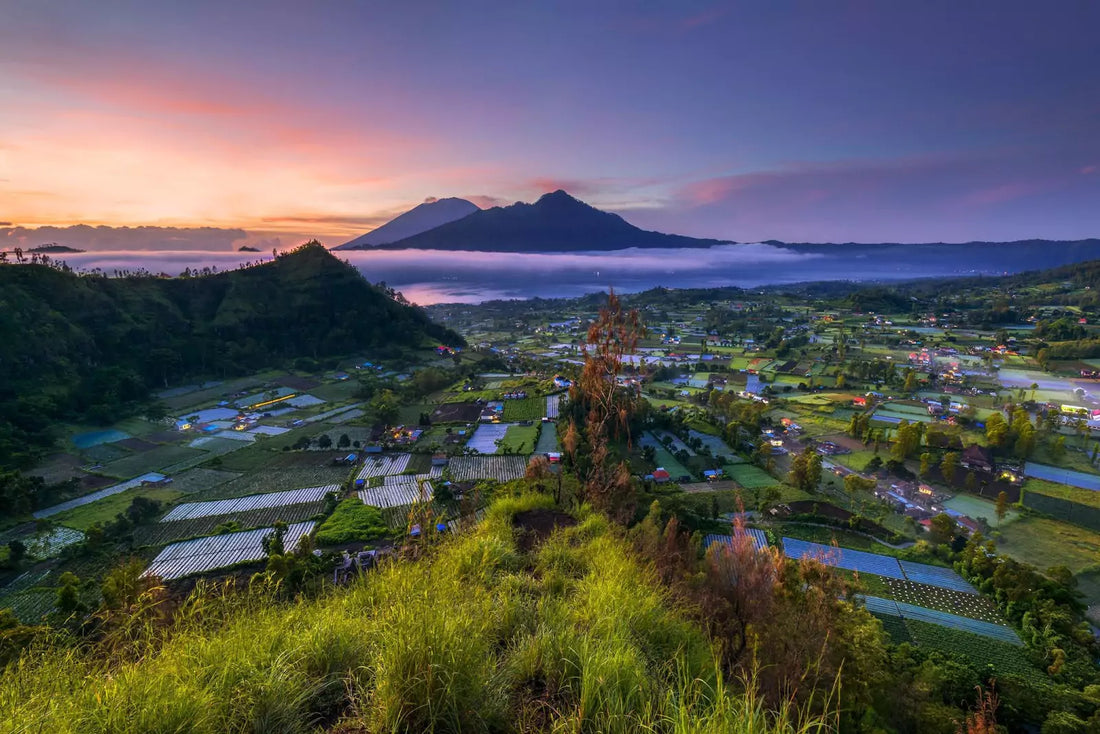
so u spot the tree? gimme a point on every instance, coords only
(949, 466)
(604, 408)
(910, 381)
(344, 441)
(925, 463)
(324, 441)
(1002, 506)
(273, 542)
(996, 430)
(385, 406)
(971, 481)
(68, 593)
(942, 528)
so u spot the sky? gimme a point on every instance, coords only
(204, 125)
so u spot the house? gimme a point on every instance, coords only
(976, 458)
(712, 475)
(553, 457)
(661, 475)
(859, 401)
(439, 460)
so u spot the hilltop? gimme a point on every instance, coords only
(87, 347)
(556, 222)
(426, 216)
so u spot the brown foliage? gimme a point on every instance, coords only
(607, 406)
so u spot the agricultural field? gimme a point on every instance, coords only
(96, 496)
(964, 604)
(520, 439)
(976, 507)
(1005, 657)
(278, 479)
(501, 468)
(749, 476)
(200, 480)
(527, 409)
(485, 438)
(381, 465)
(1045, 543)
(220, 551)
(397, 491)
(548, 439)
(106, 509)
(148, 461)
(1063, 491)
(163, 533)
(193, 510)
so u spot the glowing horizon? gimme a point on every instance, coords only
(890, 124)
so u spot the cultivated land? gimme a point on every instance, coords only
(883, 427)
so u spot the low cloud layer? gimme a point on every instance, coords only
(85, 237)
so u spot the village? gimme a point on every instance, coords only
(822, 427)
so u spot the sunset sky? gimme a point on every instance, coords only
(817, 121)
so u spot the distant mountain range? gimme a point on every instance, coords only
(419, 219)
(555, 223)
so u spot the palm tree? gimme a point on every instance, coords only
(1034, 387)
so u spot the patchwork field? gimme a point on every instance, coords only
(106, 509)
(750, 476)
(147, 461)
(1045, 543)
(162, 533)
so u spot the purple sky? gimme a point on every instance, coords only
(816, 121)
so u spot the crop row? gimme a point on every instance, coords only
(192, 510)
(220, 551)
(162, 533)
(501, 468)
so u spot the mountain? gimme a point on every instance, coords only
(90, 348)
(556, 222)
(54, 249)
(429, 215)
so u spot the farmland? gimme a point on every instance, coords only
(162, 533)
(105, 510)
(520, 439)
(525, 409)
(193, 510)
(749, 476)
(219, 551)
(500, 468)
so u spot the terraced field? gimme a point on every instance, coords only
(220, 551)
(383, 465)
(193, 510)
(163, 533)
(500, 468)
(397, 491)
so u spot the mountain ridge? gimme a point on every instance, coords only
(420, 218)
(556, 222)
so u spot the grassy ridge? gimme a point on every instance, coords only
(576, 636)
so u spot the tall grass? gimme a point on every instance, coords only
(576, 636)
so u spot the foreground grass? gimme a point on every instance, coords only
(576, 637)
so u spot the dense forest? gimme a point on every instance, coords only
(81, 347)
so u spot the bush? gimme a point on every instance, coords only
(352, 521)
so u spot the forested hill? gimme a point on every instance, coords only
(83, 347)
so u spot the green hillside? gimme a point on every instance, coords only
(90, 348)
(575, 634)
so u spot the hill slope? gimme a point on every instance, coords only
(422, 218)
(90, 348)
(556, 222)
(577, 635)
